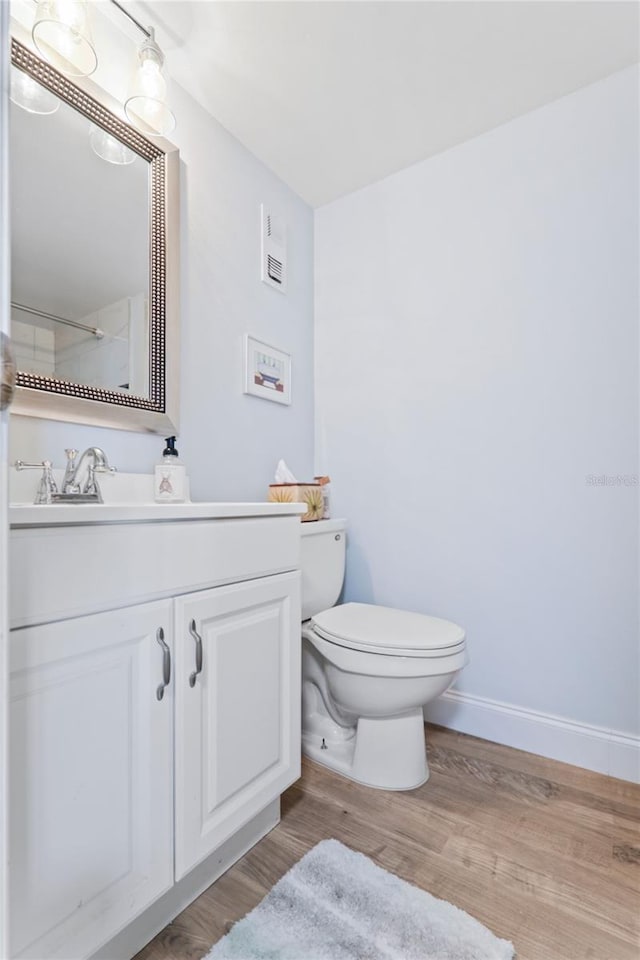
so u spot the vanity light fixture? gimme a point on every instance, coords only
(62, 33)
(27, 93)
(146, 106)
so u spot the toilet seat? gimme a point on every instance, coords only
(386, 631)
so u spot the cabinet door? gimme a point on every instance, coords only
(91, 778)
(238, 718)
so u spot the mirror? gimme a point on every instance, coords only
(79, 255)
(93, 260)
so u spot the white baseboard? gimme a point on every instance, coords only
(595, 748)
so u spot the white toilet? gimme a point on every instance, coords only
(367, 672)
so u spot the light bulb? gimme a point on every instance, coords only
(151, 80)
(146, 106)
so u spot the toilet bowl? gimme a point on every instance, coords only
(367, 672)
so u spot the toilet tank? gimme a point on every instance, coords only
(322, 563)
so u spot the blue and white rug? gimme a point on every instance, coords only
(335, 904)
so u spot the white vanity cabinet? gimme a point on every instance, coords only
(91, 778)
(150, 740)
(238, 708)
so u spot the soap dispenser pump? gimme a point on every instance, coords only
(170, 476)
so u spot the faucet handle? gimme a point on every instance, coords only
(99, 464)
(47, 486)
(25, 465)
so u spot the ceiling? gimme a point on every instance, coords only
(335, 95)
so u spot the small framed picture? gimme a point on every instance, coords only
(267, 371)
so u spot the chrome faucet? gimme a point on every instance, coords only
(98, 463)
(72, 491)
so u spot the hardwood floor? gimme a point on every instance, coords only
(546, 855)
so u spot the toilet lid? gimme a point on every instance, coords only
(365, 626)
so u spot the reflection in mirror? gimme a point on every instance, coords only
(79, 253)
(94, 251)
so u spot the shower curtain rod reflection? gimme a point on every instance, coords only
(96, 331)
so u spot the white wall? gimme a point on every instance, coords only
(230, 442)
(476, 361)
(34, 348)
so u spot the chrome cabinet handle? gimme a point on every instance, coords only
(166, 664)
(198, 639)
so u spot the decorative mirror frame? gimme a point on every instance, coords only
(54, 399)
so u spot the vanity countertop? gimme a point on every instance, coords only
(46, 515)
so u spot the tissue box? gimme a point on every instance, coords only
(308, 493)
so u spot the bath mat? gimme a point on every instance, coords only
(335, 904)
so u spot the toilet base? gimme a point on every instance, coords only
(388, 753)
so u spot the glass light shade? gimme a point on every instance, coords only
(108, 147)
(62, 34)
(27, 93)
(146, 106)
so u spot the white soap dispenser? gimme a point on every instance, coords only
(171, 476)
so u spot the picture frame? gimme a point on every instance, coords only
(267, 371)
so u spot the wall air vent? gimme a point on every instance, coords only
(274, 251)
